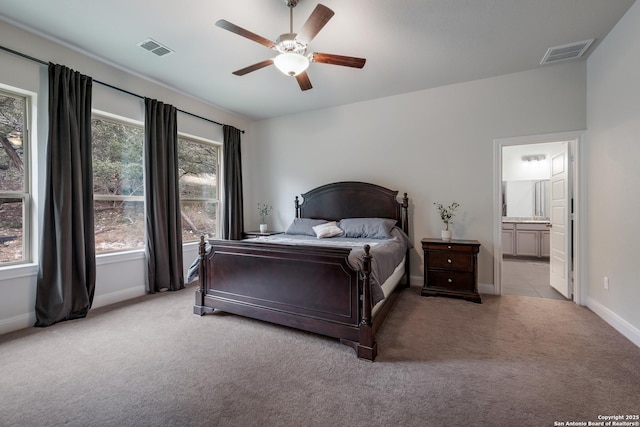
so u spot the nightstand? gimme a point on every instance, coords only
(451, 268)
(252, 234)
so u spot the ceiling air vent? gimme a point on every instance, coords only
(155, 47)
(566, 52)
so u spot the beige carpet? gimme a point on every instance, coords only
(511, 361)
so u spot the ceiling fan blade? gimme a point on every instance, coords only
(245, 33)
(303, 81)
(253, 67)
(346, 61)
(318, 19)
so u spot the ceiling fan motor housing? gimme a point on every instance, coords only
(287, 43)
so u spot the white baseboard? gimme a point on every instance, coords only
(416, 280)
(16, 323)
(486, 288)
(118, 296)
(617, 322)
(27, 320)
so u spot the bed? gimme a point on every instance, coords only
(317, 289)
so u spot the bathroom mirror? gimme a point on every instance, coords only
(526, 198)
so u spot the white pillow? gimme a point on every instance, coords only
(329, 229)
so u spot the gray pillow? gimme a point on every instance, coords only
(372, 228)
(304, 226)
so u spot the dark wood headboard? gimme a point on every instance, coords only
(352, 199)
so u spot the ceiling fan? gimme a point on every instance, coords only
(292, 58)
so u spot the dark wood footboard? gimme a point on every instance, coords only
(304, 287)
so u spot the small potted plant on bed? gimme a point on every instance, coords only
(446, 215)
(263, 211)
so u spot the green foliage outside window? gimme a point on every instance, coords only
(14, 196)
(198, 172)
(118, 185)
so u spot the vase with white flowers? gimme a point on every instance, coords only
(263, 211)
(446, 215)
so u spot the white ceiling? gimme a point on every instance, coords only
(409, 44)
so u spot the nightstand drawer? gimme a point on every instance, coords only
(447, 246)
(450, 280)
(451, 260)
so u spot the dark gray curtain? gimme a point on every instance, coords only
(67, 268)
(164, 223)
(232, 215)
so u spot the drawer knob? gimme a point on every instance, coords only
(449, 261)
(449, 247)
(449, 280)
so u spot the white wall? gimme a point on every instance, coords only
(436, 145)
(613, 156)
(119, 276)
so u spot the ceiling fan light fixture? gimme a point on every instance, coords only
(291, 63)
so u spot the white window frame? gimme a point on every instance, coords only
(26, 194)
(218, 200)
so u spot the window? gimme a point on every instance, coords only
(14, 180)
(118, 184)
(199, 196)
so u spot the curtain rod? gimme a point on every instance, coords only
(39, 61)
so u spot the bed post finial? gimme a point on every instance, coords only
(405, 214)
(297, 207)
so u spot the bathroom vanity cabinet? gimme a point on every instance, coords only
(526, 239)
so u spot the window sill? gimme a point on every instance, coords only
(111, 258)
(17, 271)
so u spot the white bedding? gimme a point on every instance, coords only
(389, 285)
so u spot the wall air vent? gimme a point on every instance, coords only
(566, 52)
(155, 47)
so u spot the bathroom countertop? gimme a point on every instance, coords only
(526, 219)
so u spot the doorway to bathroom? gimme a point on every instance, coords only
(534, 226)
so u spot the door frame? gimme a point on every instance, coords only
(576, 143)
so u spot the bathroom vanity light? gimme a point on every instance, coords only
(534, 157)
